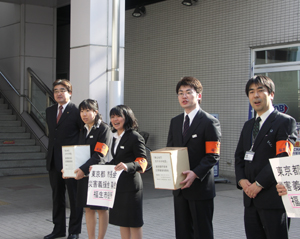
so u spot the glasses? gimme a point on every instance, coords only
(60, 91)
(188, 93)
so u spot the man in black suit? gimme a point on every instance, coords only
(270, 134)
(64, 123)
(200, 132)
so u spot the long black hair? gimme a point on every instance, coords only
(125, 112)
(91, 105)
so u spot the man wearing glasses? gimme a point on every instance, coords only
(200, 132)
(64, 122)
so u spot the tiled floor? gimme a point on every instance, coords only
(25, 211)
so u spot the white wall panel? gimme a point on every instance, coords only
(98, 82)
(80, 27)
(40, 15)
(99, 22)
(39, 40)
(79, 73)
(9, 14)
(26, 44)
(10, 67)
(10, 41)
(43, 67)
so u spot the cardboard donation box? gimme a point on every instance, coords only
(73, 157)
(167, 166)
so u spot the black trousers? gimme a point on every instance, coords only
(193, 218)
(59, 185)
(265, 223)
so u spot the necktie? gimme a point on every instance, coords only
(186, 126)
(256, 127)
(59, 113)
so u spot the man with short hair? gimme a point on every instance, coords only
(270, 134)
(200, 132)
(64, 123)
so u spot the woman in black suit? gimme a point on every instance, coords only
(129, 154)
(98, 135)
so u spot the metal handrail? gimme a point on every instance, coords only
(20, 95)
(17, 111)
(39, 82)
(8, 82)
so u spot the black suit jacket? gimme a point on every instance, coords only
(130, 147)
(204, 128)
(65, 132)
(277, 127)
(103, 135)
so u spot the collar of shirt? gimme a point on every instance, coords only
(192, 114)
(64, 107)
(118, 138)
(264, 116)
(93, 127)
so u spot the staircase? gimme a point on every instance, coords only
(19, 153)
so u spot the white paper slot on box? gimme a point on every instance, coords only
(73, 156)
(167, 167)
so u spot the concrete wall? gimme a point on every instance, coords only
(210, 40)
(91, 52)
(27, 39)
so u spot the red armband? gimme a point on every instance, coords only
(101, 148)
(212, 147)
(142, 162)
(284, 146)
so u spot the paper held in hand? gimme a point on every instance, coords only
(102, 185)
(73, 157)
(286, 171)
(167, 167)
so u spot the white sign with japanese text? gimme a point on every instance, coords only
(102, 185)
(287, 172)
(73, 156)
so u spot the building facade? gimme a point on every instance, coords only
(220, 42)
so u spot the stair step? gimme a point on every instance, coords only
(3, 106)
(17, 142)
(13, 136)
(17, 156)
(12, 129)
(19, 149)
(6, 112)
(23, 171)
(8, 117)
(10, 123)
(23, 163)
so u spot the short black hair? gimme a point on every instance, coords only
(192, 82)
(260, 80)
(66, 83)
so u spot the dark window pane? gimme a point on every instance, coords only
(289, 54)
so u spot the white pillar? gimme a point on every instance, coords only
(90, 58)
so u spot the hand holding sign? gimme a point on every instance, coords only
(102, 185)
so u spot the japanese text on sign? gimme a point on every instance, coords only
(287, 172)
(102, 185)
